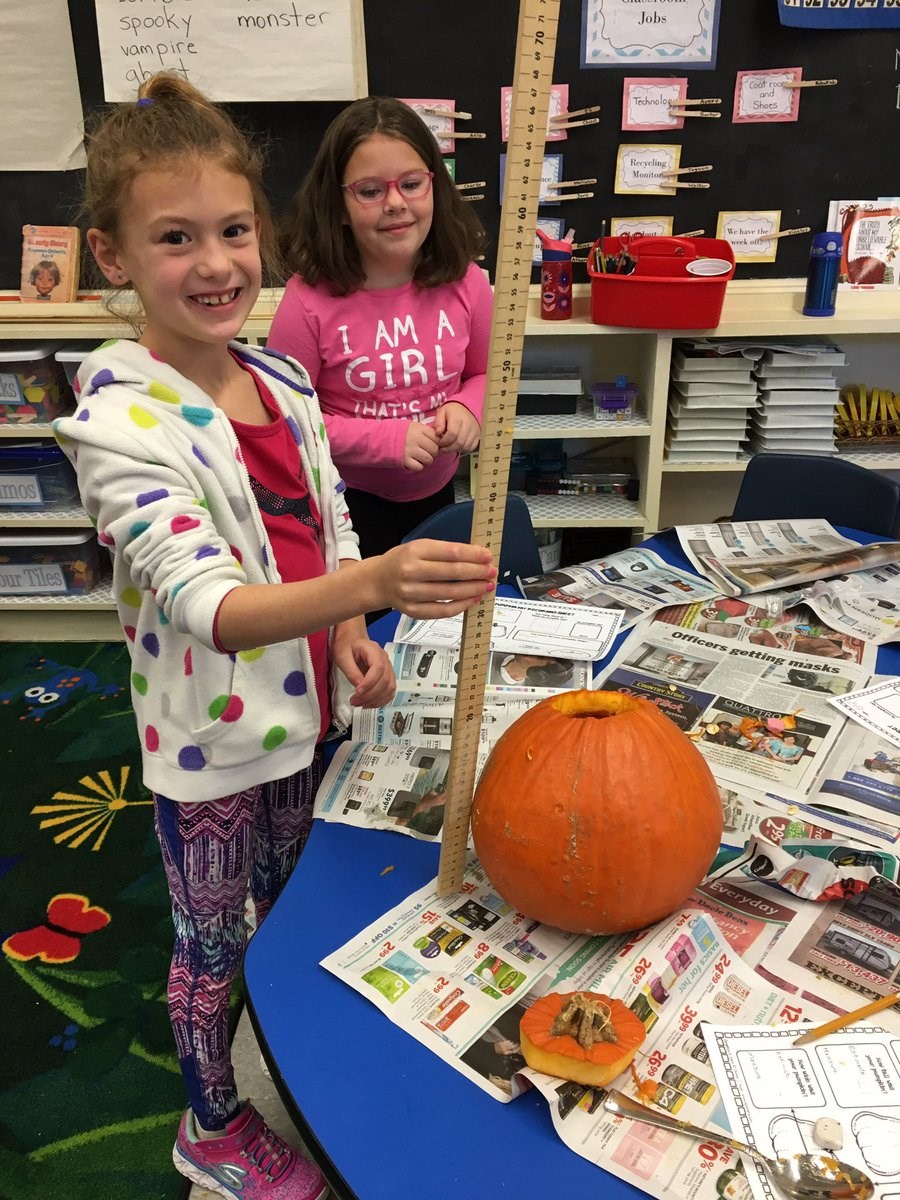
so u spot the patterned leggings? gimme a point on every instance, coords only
(216, 854)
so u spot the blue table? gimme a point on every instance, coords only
(386, 1117)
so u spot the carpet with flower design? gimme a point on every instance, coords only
(90, 1091)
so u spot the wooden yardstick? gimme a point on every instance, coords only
(532, 79)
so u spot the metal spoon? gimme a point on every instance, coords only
(805, 1176)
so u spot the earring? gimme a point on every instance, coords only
(121, 276)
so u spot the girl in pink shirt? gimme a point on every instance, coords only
(389, 314)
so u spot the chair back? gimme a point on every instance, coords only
(519, 554)
(813, 485)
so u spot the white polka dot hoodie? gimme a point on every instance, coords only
(161, 475)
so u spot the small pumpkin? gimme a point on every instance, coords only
(595, 814)
(582, 1036)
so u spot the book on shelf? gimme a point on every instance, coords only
(802, 383)
(809, 396)
(871, 238)
(805, 354)
(715, 388)
(677, 423)
(711, 357)
(50, 263)
(679, 403)
(676, 454)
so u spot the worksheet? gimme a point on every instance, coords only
(774, 1092)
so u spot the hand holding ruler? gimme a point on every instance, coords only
(532, 80)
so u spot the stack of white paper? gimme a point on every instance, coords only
(712, 392)
(797, 395)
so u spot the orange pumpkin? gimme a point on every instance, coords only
(582, 1036)
(594, 813)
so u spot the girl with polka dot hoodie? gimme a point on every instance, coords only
(205, 466)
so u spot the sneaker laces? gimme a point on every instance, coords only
(268, 1152)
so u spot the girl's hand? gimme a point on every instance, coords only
(368, 668)
(427, 578)
(421, 447)
(457, 430)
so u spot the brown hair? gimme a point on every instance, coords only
(171, 122)
(318, 244)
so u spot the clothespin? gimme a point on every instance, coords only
(562, 121)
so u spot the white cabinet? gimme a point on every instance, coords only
(866, 324)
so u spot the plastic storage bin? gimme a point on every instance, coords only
(36, 564)
(661, 292)
(35, 475)
(72, 355)
(32, 386)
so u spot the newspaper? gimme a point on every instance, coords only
(633, 582)
(458, 972)
(426, 719)
(526, 627)
(761, 717)
(813, 869)
(788, 626)
(429, 668)
(401, 787)
(865, 604)
(848, 947)
(748, 812)
(752, 556)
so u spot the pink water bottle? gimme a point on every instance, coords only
(556, 277)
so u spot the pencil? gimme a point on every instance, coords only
(858, 1014)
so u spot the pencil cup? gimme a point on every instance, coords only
(556, 278)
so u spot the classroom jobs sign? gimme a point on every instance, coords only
(235, 49)
(638, 33)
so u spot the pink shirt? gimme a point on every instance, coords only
(379, 359)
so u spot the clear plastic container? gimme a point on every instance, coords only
(72, 355)
(614, 401)
(36, 475)
(32, 386)
(36, 564)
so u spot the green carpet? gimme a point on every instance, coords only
(90, 1092)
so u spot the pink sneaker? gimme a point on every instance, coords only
(248, 1162)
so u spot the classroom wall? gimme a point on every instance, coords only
(842, 147)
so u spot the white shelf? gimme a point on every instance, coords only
(70, 517)
(580, 424)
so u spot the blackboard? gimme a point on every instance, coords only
(842, 146)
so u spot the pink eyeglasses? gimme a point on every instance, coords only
(412, 185)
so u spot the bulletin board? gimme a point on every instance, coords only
(840, 147)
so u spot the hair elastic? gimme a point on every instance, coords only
(146, 100)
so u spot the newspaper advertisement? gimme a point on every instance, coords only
(633, 582)
(788, 626)
(748, 813)
(458, 972)
(761, 717)
(865, 604)
(877, 708)
(773, 1092)
(816, 870)
(445, 967)
(426, 719)
(845, 947)
(400, 787)
(526, 627)
(862, 778)
(429, 668)
(753, 556)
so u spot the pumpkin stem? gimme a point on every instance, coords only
(587, 1021)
